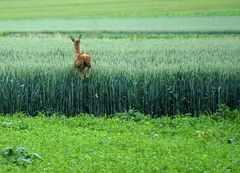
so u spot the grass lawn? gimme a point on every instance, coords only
(23, 9)
(128, 142)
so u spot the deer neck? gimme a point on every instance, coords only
(77, 48)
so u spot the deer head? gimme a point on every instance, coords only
(76, 43)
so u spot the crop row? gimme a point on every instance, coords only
(152, 76)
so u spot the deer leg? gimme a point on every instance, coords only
(81, 73)
(85, 75)
(82, 76)
(88, 72)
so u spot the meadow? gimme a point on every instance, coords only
(144, 25)
(163, 94)
(128, 142)
(25, 9)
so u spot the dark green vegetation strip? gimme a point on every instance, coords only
(89, 144)
(124, 35)
(157, 76)
(25, 9)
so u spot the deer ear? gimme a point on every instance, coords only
(73, 39)
(80, 36)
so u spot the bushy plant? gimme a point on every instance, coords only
(19, 156)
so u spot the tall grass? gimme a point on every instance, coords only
(152, 76)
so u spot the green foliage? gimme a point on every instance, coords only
(99, 144)
(152, 76)
(22, 9)
(133, 115)
(19, 156)
(224, 111)
(235, 139)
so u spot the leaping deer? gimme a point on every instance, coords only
(82, 60)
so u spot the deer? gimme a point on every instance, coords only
(82, 60)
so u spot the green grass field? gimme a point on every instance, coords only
(25, 9)
(159, 76)
(171, 59)
(130, 142)
(158, 25)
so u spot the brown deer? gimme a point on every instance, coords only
(82, 60)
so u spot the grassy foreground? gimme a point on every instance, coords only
(25, 9)
(128, 142)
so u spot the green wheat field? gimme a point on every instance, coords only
(163, 94)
